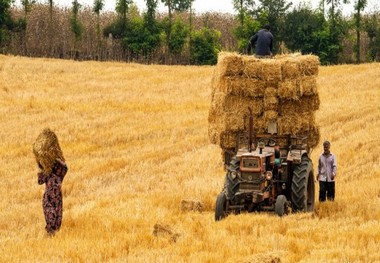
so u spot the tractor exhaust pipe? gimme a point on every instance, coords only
(250, 129)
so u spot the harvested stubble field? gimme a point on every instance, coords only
(136, 143)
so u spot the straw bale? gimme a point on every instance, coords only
(228, 112)
(259, 124)
(290, 68)
(214, 83)
(271, 71)
(240, 86)
(46, 149)
(270, 115)
(295, 124)
(164, 230)
(252, 67)
(254, 88)
(228, 139)
(289, 56)
(268, 70)
(289, 89)
(236, 105)
(213, 134)
(192, 205)
(308, 85)
(309, 65)
(314, 136)
(229, 64)
(215, 110)
(304, 104)
(270, 99)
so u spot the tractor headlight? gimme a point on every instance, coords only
(233, 175)
(268, 175)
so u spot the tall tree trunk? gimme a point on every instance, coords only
(358, 36)
(190, 30)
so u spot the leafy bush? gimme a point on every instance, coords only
(205, 46)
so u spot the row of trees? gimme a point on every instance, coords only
(180, 37)
(322, 31)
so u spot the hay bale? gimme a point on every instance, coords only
(191, 205)
(244, 87)
(314, 136)
(46, 149)
(237, 105)
(214, 83)
(227, 112)
(271, 71)
(268, 70)
(270, 115)
(227, 139)
(308, 85)
(164, 230)
(295, 124)
(229, 64)
(252, 67)
(304, 104)
(270, 99)
(289, 89)
(309, 65)
(290, 68)
(253, 88)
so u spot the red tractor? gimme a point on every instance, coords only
(267, 172)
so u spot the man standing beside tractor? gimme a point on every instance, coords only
(326, 173)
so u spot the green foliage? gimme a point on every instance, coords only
(27, 4)
(301, 28)
(177, 5)
(98, 6)
(179, 34)
(372, 27)
(308, 31)
(243, 7)
(75, 25)
(337, 29)
(6, 22)
(205, 46)
(116, 28)
(122, 7)
(143, 37)
(244, 31)
(326, 47)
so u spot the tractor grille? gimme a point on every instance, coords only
(255, 177)
(249, 186)
(252, 181)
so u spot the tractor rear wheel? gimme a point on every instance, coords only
(281, 206)
(303, 188)
(221, 207)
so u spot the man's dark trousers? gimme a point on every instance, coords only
(326, 187)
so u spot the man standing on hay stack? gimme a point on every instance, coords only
(264, 43)
(53, 169)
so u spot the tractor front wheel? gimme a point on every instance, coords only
(221, 207)
(281, 206)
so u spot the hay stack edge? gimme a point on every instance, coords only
(281, 90)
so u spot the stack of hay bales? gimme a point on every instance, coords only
(281, 90)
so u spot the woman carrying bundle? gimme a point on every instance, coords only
(53, 169)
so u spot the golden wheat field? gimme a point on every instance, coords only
(136, 144)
